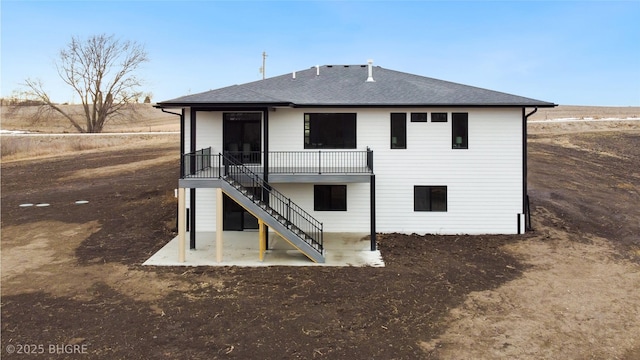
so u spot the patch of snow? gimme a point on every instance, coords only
(583, 120)
(13, 132)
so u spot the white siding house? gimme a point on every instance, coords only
(328, 150)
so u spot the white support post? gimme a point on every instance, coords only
(181, 225)
(219, 225)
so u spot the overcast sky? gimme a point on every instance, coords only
(566, 52)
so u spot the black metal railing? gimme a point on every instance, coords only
(245, 157)
(200, 164)
(320, 162)
(273, 202)
(204, 164)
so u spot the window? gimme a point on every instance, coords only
(242, 136)
(460, 130)
(439, 117)
(330, 131)
(330, 197)
(429, 198)
(419, 117)
(398, 130)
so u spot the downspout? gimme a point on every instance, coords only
(525, 195)
(372, 204)
(181, 157)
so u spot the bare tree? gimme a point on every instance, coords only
(101, 71)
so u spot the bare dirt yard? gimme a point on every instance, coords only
(71, 272)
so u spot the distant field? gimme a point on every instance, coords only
(584, 112)
(145, 118)
(22, 147)
(148, 118)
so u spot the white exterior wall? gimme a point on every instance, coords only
(208, 131)
(187, 131)
(286, 129)
(286, 133)
(208, 134)
(355, 219)
(205, 209)
(484, 182)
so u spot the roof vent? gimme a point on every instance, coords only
(370, 70)
(293, 75)
(317, 70)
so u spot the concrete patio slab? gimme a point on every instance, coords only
(241, 248)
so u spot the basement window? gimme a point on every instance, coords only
(460, 131)
(330, 197)
(429, 198)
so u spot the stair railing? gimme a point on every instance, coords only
(276, 204)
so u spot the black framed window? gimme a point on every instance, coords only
(242, 136)
(429, 198)
(439, 117)
(398, 130)
(330, 131)
(419, 117)
(330, 197)
(460, 130)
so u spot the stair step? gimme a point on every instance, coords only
(268, 210)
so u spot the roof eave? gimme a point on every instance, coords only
(220, 105)
(471, 105)
(253, 104)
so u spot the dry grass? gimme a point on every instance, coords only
(146, 118)
(141, 118)
(16, 147)
(585, 112)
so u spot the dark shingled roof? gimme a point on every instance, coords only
(346, 85)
